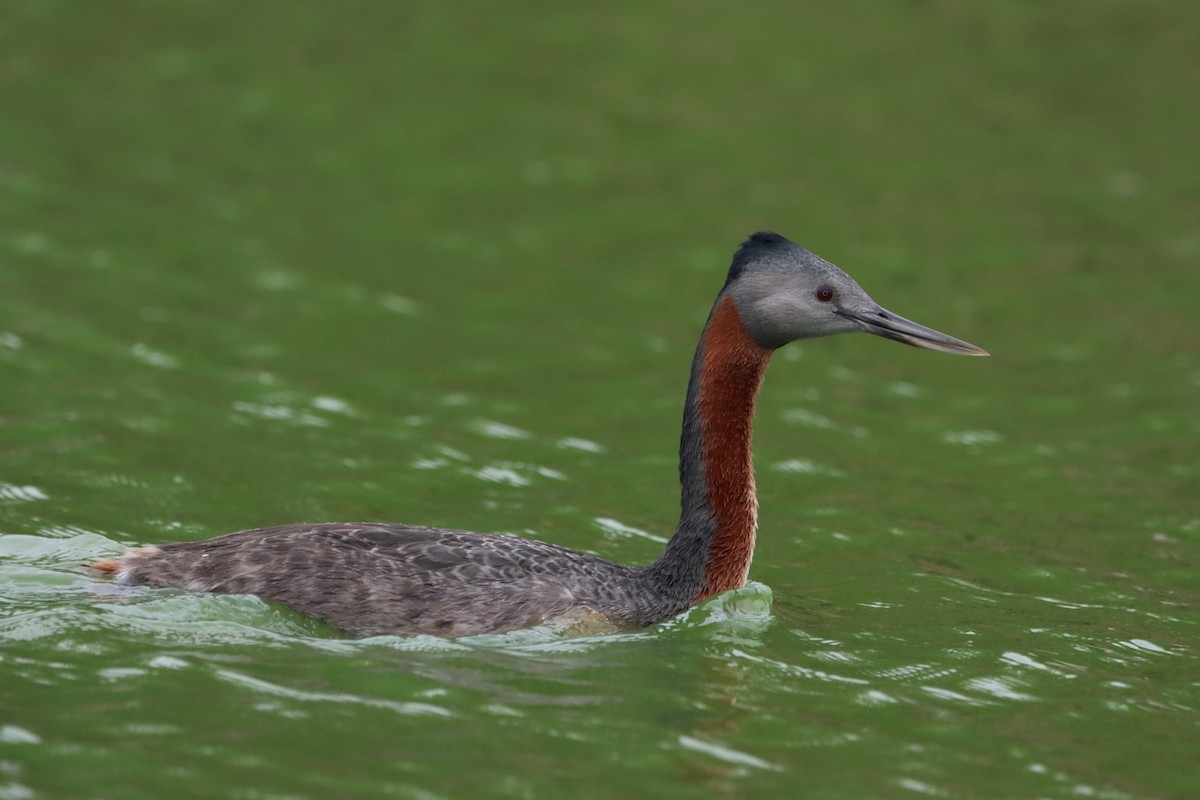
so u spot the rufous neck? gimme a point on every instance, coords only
(714, 542)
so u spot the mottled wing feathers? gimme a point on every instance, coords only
(373, 579)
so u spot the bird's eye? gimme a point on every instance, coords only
(824, 293)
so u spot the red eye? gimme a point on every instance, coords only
(824, 293)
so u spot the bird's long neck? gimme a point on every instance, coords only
(714, 542)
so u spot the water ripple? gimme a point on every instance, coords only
(266, 687)
(727, 754)
(21, 494)
(813, 420)
(797, 670)
(621, 530)
(498, 430)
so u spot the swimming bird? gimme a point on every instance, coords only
(375, 579)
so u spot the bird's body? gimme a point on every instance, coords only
(375, 579)
(372, 579)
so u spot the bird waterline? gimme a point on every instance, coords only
(380, 578)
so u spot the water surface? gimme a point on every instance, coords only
(273, 263)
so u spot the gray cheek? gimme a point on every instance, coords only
(773, 322)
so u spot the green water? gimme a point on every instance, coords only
(274, 262)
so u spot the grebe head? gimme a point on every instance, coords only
(784, 293)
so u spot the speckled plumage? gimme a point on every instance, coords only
(373, 578)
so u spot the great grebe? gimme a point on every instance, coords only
(376, 578)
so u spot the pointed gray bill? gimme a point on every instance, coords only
(892, 326)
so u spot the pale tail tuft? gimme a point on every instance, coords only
(107, 565)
